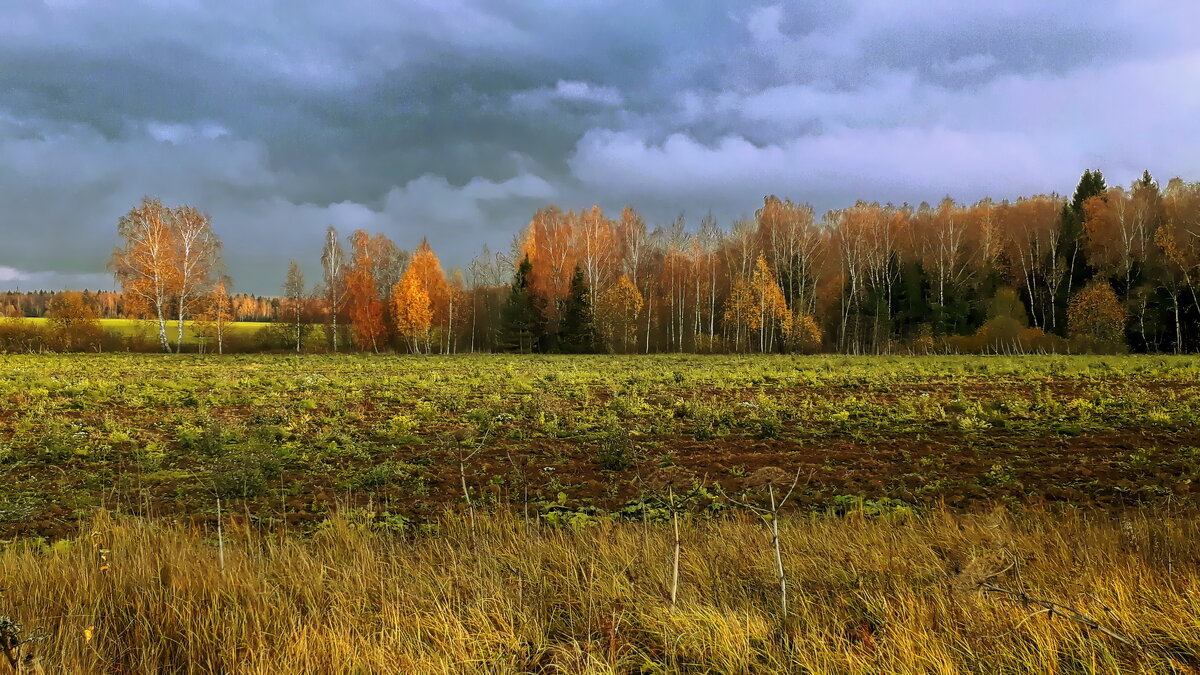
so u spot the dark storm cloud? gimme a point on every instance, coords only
(456, 119)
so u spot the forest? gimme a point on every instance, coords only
(1110, 269)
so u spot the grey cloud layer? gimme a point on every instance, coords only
(454, 120)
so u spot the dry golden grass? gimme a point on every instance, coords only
(505, 596)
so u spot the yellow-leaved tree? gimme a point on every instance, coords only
(1096, 317)
(757, 305)
(426, 270)
(741, 311)
(773, 314)
(618, 308)
(804, 334)
(215, 315)
(412, 310)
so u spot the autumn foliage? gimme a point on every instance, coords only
(1108, 265)
(1096, 315)
(167, 264)
(618, 309)
(422, 300)
(74, 323)
(413, 310)
(362, 294)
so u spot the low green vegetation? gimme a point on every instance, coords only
(286, 439)
(588, 514)
(149, 329)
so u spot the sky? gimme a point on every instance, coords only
(456, 119)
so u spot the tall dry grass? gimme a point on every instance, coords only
(505, 596)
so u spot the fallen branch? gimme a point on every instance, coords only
(1051, 609)
(12, 644)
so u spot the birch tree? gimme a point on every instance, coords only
(144, 264)
(197, 255)
(293, 293)
(333, 263)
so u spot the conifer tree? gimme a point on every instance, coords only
(1071, 233)
(522, 326)
(577, 332)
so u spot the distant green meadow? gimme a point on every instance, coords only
(134, 327)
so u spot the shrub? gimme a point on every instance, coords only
(19, 335)
(769, 427)
(804, 335)
(1096, 319)
(924, 342)
(615, 450)
(74, 326)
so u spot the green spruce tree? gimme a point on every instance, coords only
(1146, 181)
(522, 325)
(1071, 234)
(577, 332)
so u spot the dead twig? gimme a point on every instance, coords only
(12, 644)
(463, 458)
(1051, 609)
(771, 477)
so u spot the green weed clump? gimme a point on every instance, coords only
(615, 450)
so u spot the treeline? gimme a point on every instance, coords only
(111, 305)
(169, 267)
(1109, 269)
(72, 323)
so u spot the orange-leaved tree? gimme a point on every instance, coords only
(1096, 315)
(145, 264)
(595, 248)
(427, 270)
(549, 246)
(74, 322)
(362, 296)
(412, 310)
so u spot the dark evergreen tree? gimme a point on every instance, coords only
(1150, 327)
(913, 310)
(1091, 183)
(577, 331)
(1146, 181)
(1071, 234)
(984, 289)
(522, 323)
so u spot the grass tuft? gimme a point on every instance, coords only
(498, 594)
